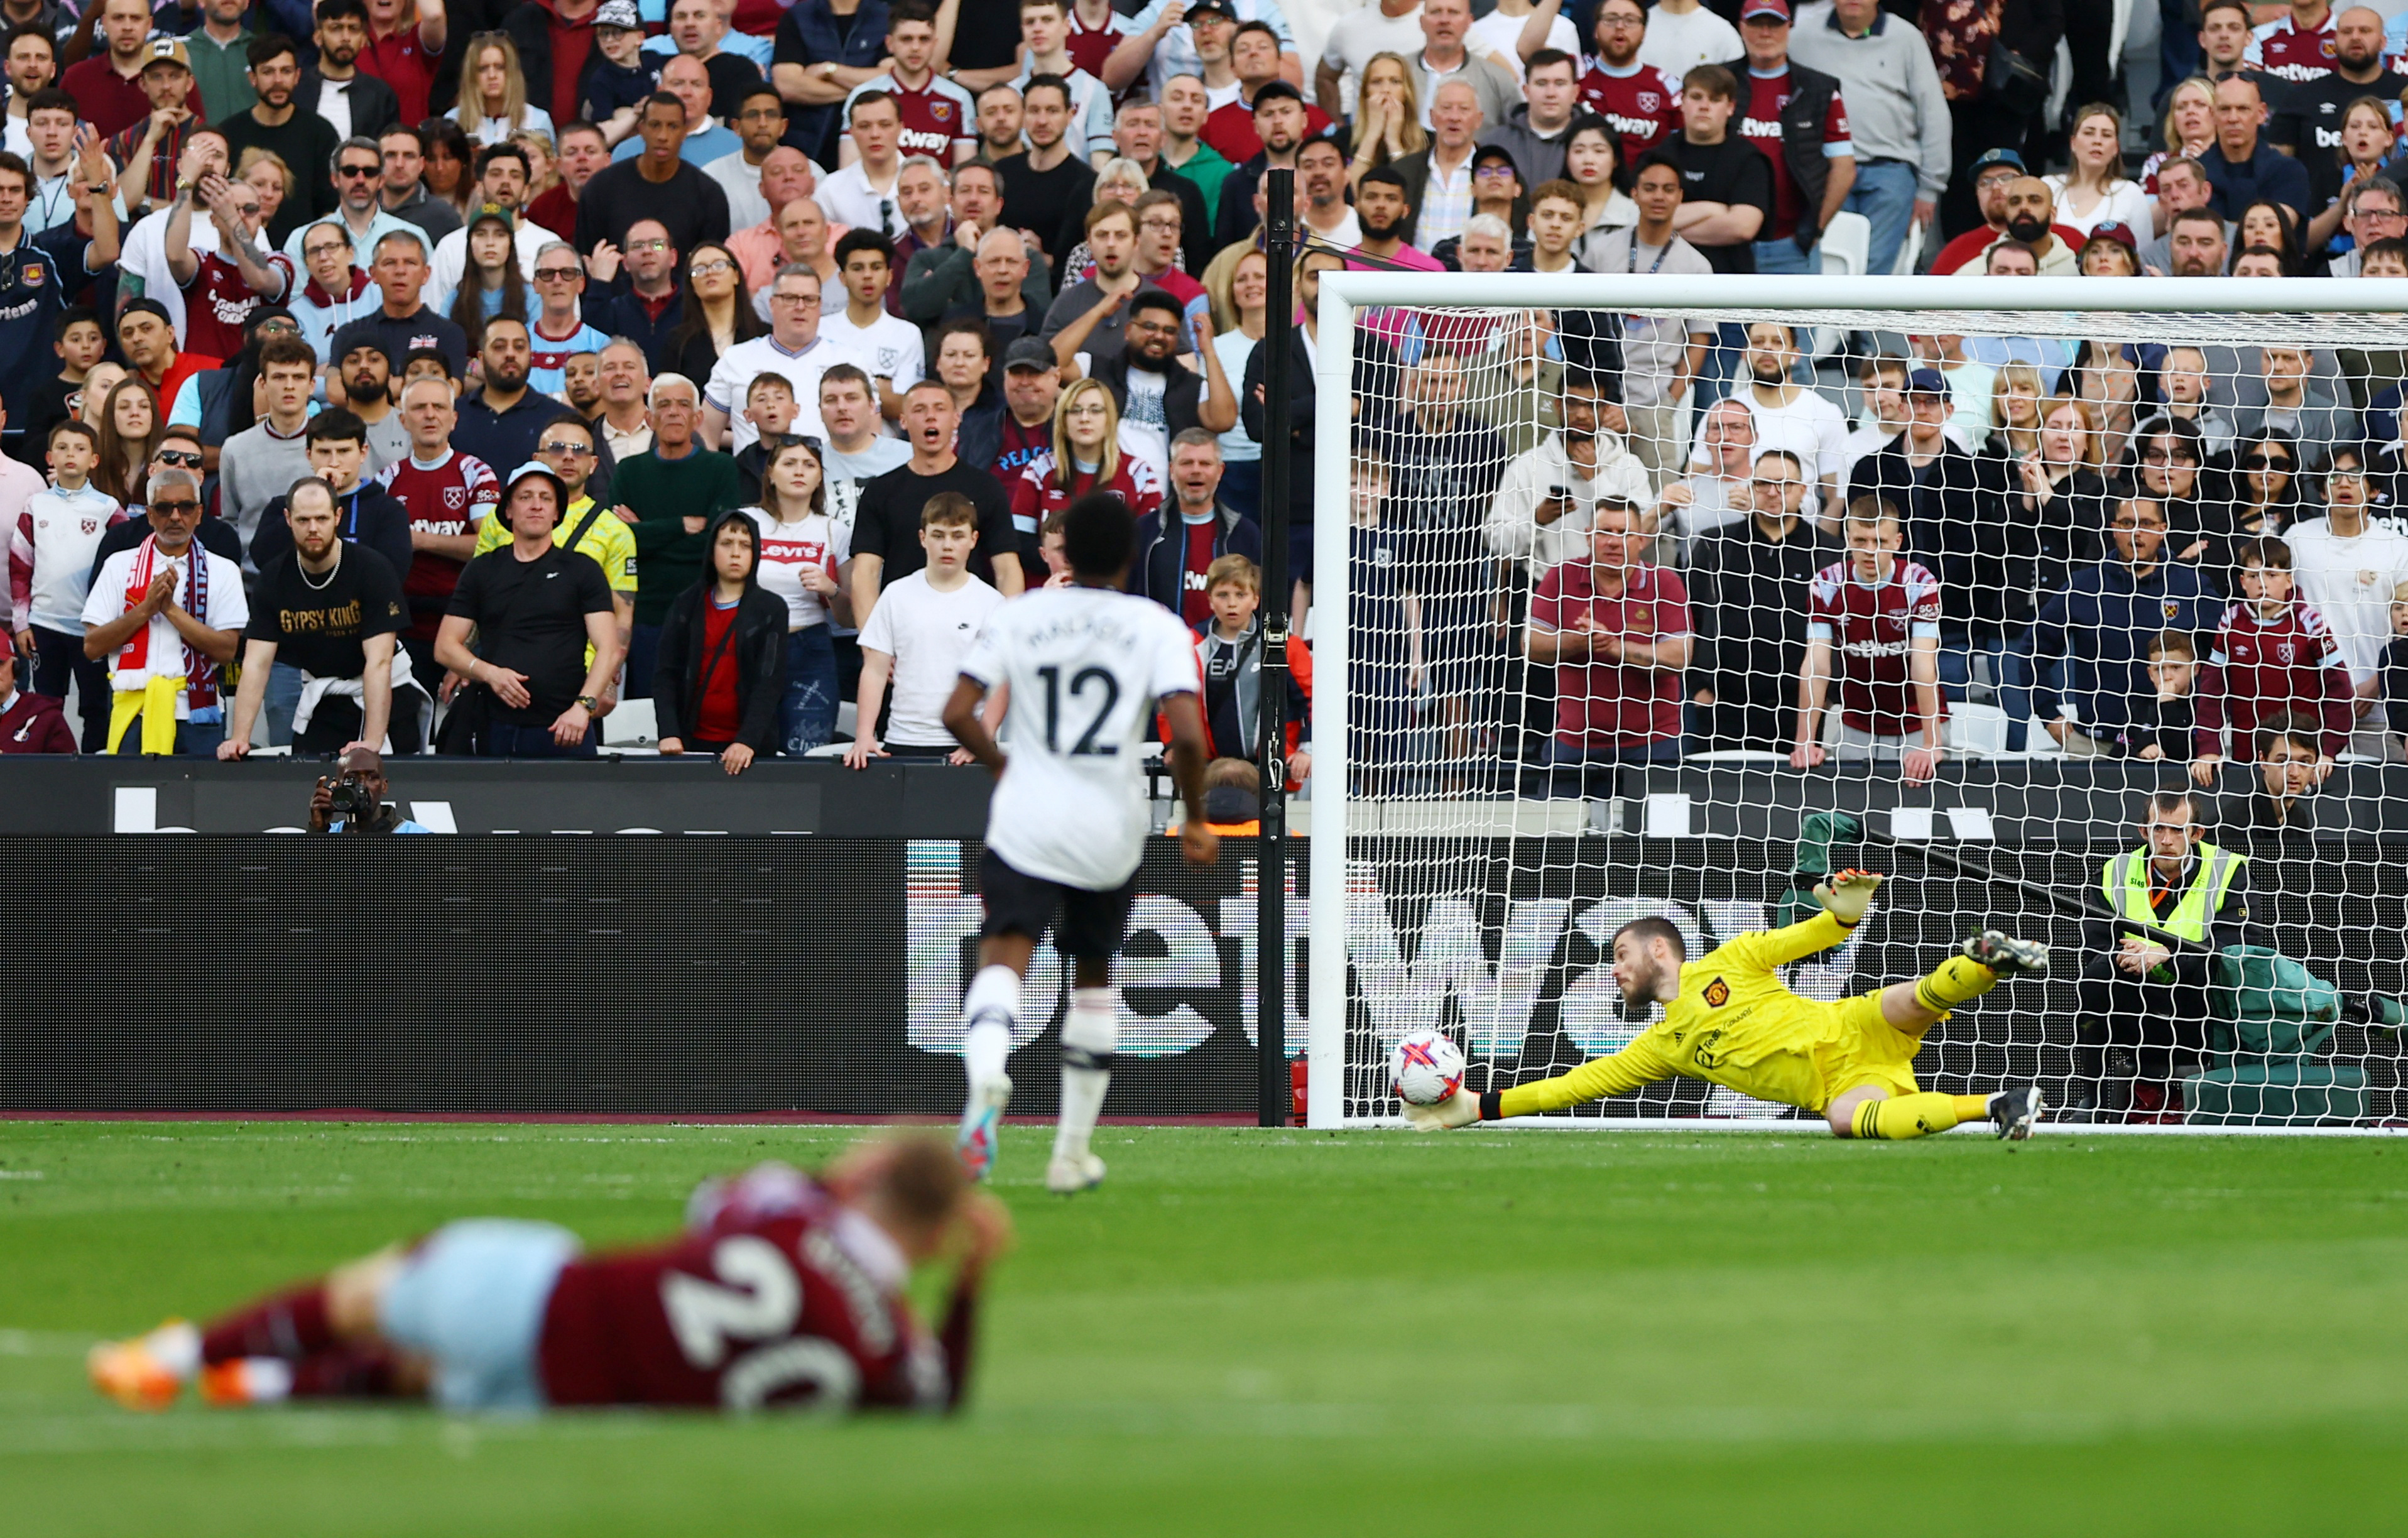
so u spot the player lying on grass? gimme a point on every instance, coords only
(785, 1292)
(1728, 1019)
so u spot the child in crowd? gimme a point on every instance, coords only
(770, 406)
(80, 344)
(618, 82)
(1230, 655)
(918, 635)
(2163, 721)
(51, 556)
(1049, 547)
(2273, 655)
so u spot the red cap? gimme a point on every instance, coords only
(1754, 9)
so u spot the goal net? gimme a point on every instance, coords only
(2056, 601)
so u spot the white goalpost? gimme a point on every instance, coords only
(1490, 800)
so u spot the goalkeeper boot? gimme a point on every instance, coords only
(982, 1125)
(2013, 1111)
(1069, 1174)
(2005, 955)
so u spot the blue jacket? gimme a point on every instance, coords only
(2270, 174)
(2091, 641)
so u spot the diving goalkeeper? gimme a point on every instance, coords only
(1728, 1019)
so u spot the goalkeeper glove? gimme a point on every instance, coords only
(1460, 1109)
(1846, 894)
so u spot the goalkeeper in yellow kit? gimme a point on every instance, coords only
(1729, 1019)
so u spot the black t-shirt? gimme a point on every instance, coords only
(530, 618)
(320, 629)
(1042, 201)
(691, 205)
(2308, 117)
(888, 522)
(1734, 172)
(399, 338)
(985, 36)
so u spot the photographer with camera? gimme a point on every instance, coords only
(353, 800)
(335, 610)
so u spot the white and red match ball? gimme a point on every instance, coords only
(1426, 1067)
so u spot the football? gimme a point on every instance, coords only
(1426, 1067)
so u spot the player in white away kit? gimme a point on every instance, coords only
(1085, 666)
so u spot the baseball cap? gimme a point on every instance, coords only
(1988, 158)
(1212, 7)
(1277, 91)
(166, 51)
(1754, 9)
(1031, 353)
(2117, 231)
(619, 13)
(1926, 381)
(537, 467)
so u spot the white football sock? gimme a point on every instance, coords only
(990, 1007)
(1090, 1032)
(266, 1380)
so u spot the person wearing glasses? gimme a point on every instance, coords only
(358, 169)
(793, 348)
(166, 615)
(559, 330)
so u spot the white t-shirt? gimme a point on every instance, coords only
(1810, 423)
(897, 351)
(1676, 45)
(1498, 37)
(786, 550)
(1362, 33)
(2350, 582)
(451, 259)
(847, 196)
(928, 634)
(1084, 666)
(226, 609)
(740, 365)
(2124, 202)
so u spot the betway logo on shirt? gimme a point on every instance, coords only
(1757, 128)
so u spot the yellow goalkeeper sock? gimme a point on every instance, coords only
(1917, 1115)
(1952, 982)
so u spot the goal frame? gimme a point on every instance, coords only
(1345, 295)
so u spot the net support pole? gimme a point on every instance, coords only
(1273, 1108)
(1332, 791)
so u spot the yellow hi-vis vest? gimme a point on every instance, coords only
(2125, 883)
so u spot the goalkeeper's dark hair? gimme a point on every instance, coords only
(1652, 927)
(1098, 537)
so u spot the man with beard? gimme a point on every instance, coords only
(365, 373)
(2031, 210)
(215, 50)
(1087, 316)
(2241, 166)
(1748, 584)
(1957, 523)
(2308, 117)
(501, 425)
(1281, 123)
(1156, 394)
(1384, 213)
(107, 84)
(329, 603)
(354, 102)
(1641, 102)
(305, 141)
(502, 178)
(1729, 1019)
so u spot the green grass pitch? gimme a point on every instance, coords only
(1275, 1332)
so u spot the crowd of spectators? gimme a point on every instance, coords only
(331, 333)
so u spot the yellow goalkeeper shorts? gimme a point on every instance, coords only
(1872, 1051)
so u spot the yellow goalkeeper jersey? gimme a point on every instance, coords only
(1734, 1023)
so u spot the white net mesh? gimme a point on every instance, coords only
(1628, 601)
